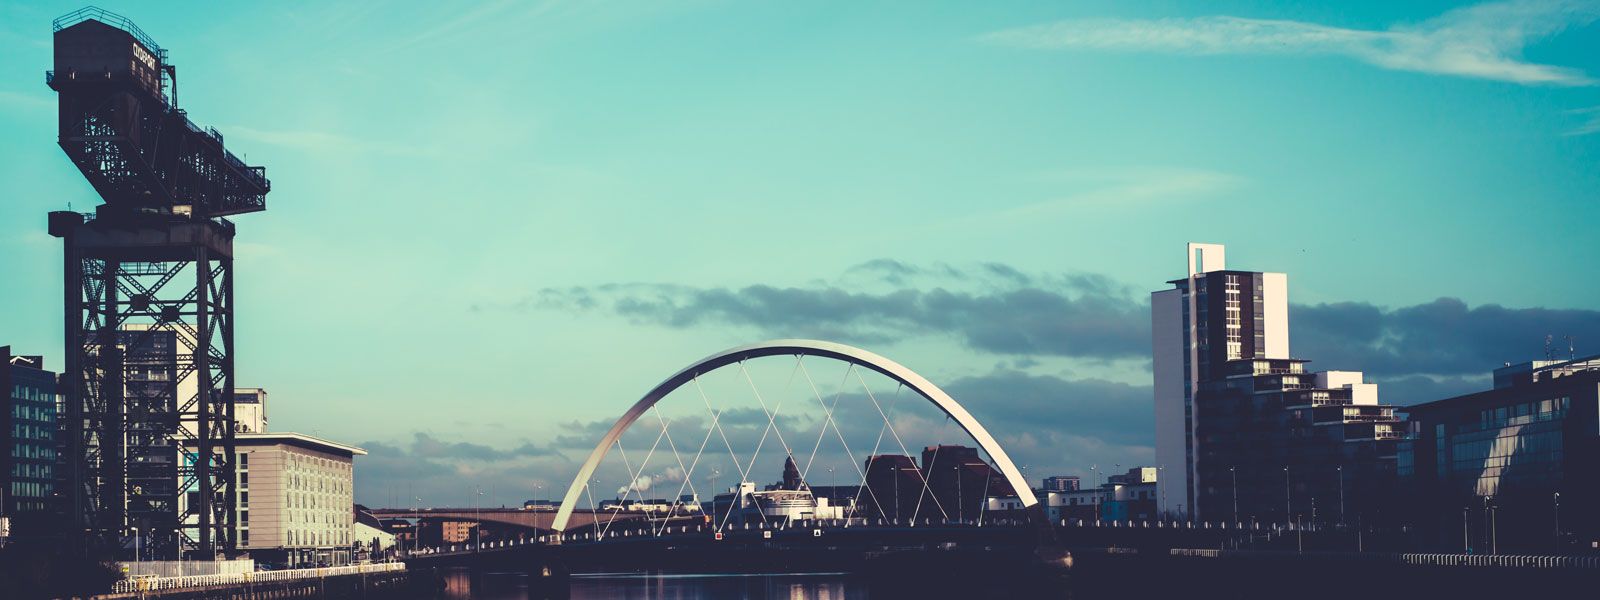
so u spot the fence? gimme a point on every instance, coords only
(151, 584)
(186, 568)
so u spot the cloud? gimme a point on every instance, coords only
(449, 473)
(1483, 41)
(1591, 123)
(1445, 337)
(1078, 315)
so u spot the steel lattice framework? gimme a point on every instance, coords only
(148, 382)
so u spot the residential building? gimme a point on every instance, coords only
(1243, 431)
(958, 482)
(1208, 318)
(30, 431)
(295, 498)
(1513, 468)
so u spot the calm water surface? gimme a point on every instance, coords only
(464, 585)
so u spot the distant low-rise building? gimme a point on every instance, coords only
(1069, 483)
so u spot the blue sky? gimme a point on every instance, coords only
(496, 224)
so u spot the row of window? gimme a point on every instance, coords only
(43, 433)
(44, 413)
(34, 451)
(33, 471)
(26, 392)
(32, 489)
(1524, 413)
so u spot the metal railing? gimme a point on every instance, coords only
(151, 584)
(110, 18)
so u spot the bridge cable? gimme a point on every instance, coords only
(874, 455)
(928, 491)
(687, 478)
(716, 424)
(828, 418)
(840, 434)
(633, 479)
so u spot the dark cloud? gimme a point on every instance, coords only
(1443, 337)
(449, 473)
(1090, 320)
(1416, 389)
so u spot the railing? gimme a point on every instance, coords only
(151, 584)
(105, 16)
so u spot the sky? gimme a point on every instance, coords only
(493, 227)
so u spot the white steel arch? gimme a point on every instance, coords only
(798, 347)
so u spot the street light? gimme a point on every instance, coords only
(961, 511)
(1235, 474)
(1286, 501)
(416, 528)
(135, 551)
(477, 528)
(1341, 494)
(1161, 483)
(1557, 500)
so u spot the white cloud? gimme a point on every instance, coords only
(1483, 41)
(1591, 125)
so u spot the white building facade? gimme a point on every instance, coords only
(295, 498)
(1211, 316)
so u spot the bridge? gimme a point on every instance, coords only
(745, 523)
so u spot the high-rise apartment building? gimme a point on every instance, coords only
(1243, 430)
(1208, 318)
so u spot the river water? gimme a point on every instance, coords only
(465, 585)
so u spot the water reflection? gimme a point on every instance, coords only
(463, 584)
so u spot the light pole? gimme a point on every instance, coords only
(961, 511)
(714, 474)
(135, 551)
(1286, 501)
(1161, 482)
(1466, 542)
(477, 528)
(1096, 470)
(1557, 500)
(1488, 524)
(1235, 474)
(1494, 535)
(416, 529)
(1341, 494)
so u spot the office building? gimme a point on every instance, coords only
(249, 410)
(29, 427)
(1513, 468)
(1061, 484)
(1243, 430)
(295, 498)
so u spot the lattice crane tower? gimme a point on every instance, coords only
(149, 297)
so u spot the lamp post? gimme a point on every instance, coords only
(1488, 524)
(1341, 494)
(135, 551)
(1557, 500)
(714, 474)
(1494, 535)
(1286, 498)
(1161, 483)
(477, 528)
(416, 529)
(1235, 475)
(961, 511)
(1466, 543)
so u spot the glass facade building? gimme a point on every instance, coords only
(1494, 469)
(30, 426)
